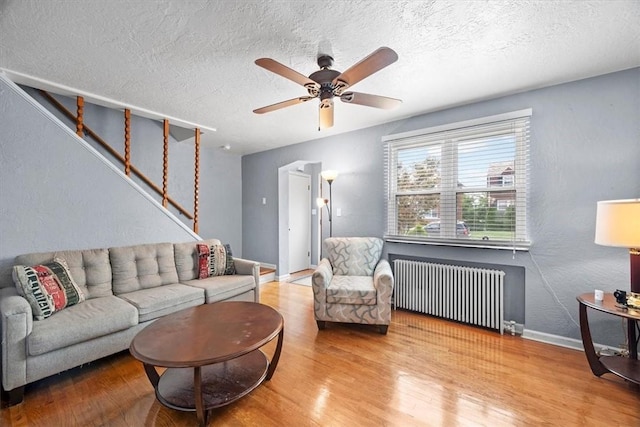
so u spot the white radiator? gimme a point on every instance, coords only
(465, 294)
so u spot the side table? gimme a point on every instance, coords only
(624, 367)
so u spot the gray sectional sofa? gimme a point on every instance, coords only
(125, 289)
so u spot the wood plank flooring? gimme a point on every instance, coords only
(425, 372)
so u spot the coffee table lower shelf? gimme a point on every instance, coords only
(222, 383)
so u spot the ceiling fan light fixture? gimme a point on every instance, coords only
(326, 114)
(326, 103)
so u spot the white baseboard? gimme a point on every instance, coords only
(286, 277)
(552, 339)
(562, 341)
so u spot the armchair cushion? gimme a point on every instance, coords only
(351, 290)
(353, 256)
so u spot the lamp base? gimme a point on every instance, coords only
(634, 258)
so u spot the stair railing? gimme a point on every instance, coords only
(82, 129)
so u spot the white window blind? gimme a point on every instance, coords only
(464, 183)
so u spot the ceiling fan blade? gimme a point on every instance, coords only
(376, 101)
(282, 104)
(326, 114)
(286, 72)
(373, 63)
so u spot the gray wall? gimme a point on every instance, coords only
(58, 193)
(585, 147)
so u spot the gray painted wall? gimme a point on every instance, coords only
(58, 193)
(585, 147)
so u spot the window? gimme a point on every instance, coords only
(460, 184)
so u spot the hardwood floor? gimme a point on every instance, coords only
(424, 372)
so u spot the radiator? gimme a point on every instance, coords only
(464, 294)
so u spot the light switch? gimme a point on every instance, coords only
(313, 211)
(339, 212)
(264, 200)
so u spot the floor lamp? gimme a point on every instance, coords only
(329, 176)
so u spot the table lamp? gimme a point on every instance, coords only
(618, 224)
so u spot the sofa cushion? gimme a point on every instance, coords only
(48, 287)
(220, 288)
(214, 260)
(163, 300)
(186, 258)
(90, 268)
(351, 290)
(353, 256)
(93, 318)
(142, 267)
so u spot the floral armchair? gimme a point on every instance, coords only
(352, 284)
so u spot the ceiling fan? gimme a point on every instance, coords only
(326, 83)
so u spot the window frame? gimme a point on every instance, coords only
(449, 193)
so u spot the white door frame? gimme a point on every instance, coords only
(283, 215)
(299, 221)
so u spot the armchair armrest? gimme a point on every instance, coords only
(323, 274)
(383, 277)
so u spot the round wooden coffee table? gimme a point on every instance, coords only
(212, 353)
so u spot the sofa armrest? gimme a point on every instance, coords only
(16, 319)
(251, 268)
(323, 274)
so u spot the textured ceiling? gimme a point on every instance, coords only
(194, 60)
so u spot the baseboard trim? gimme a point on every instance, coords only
(552, 339)
(561, 341)
(283, 278)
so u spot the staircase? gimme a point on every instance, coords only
(267, 274)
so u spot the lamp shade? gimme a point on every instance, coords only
(329, 175)
(618, 223)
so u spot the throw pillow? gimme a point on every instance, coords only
(48, 287)
(215, 260)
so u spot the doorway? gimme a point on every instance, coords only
(299, 221)
(285, 247)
